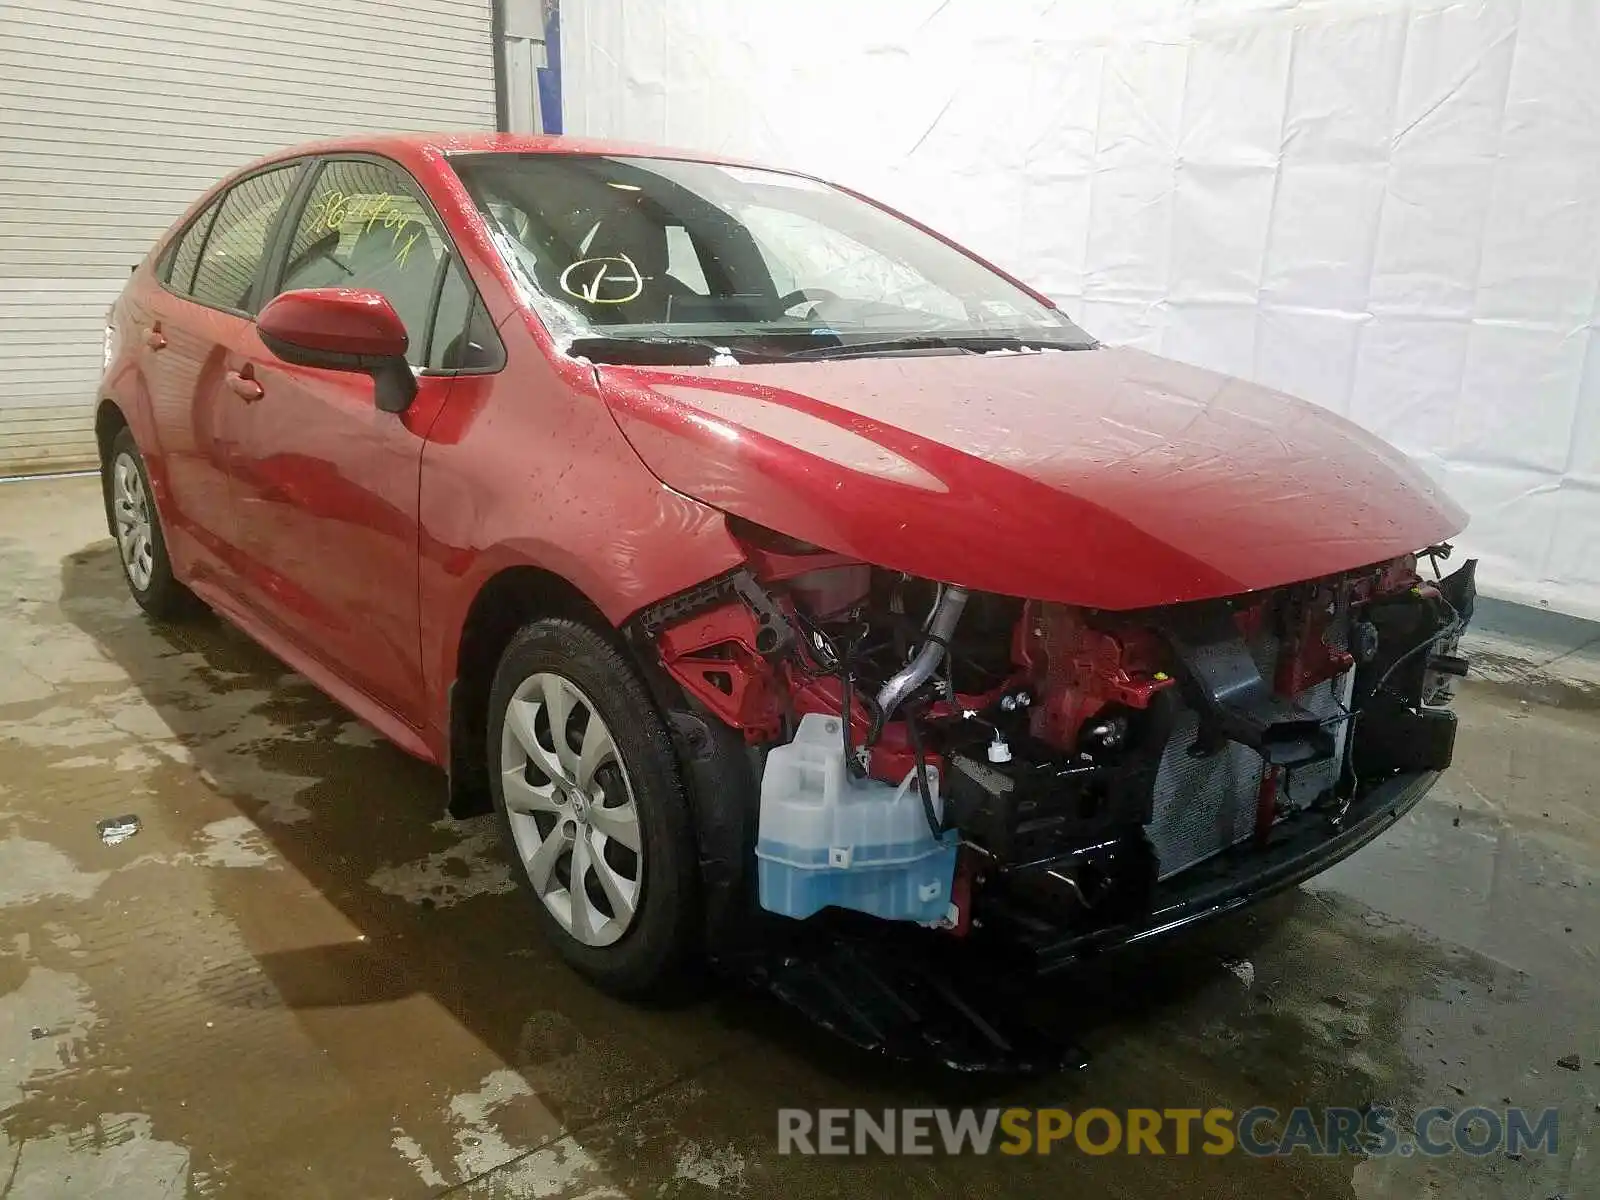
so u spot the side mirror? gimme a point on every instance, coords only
(343, 329)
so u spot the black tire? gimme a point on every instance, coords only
(648, 960)
(161, 595)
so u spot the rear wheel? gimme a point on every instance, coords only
(592, 809)
(134, 521)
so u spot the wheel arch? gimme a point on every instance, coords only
(109, 420)
(720, 774)
(504, 603)
(124, 403)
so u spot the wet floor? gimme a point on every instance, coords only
(298, 979)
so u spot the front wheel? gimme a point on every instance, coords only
(592, 808)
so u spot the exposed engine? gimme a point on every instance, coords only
(1081, 760)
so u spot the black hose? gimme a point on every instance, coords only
(852, 764)
(1455, 627)
(935, 825)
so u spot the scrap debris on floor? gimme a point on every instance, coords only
(242, 953)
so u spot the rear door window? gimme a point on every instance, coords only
(237, 241)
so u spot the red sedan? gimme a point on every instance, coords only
(760, 553)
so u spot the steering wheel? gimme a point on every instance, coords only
(785, 303)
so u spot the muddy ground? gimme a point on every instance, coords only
(299, 979)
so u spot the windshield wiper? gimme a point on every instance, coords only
(971, 343)
(666, 351)
(662, 351)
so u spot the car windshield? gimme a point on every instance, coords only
(649, 259)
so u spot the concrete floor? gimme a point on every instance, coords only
(298, 980)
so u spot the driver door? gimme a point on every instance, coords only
(325, 484)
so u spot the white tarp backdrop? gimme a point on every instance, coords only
(1391, 207)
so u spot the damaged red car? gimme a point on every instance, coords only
(763, 556)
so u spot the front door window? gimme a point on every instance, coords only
(362, 228)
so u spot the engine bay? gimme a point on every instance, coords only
(1059, 765)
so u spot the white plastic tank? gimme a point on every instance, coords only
(826, 838)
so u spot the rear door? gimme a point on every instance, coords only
(190, 326)
(326, 484)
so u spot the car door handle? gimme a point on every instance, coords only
(155, 339)
(244, 387)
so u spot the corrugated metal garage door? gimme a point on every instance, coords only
(114, 116)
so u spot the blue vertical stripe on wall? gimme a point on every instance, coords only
(550, 74)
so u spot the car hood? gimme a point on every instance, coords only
(1108, 478)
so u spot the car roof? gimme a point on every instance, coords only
(411, 146)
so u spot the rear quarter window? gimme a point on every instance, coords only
(185, 253)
